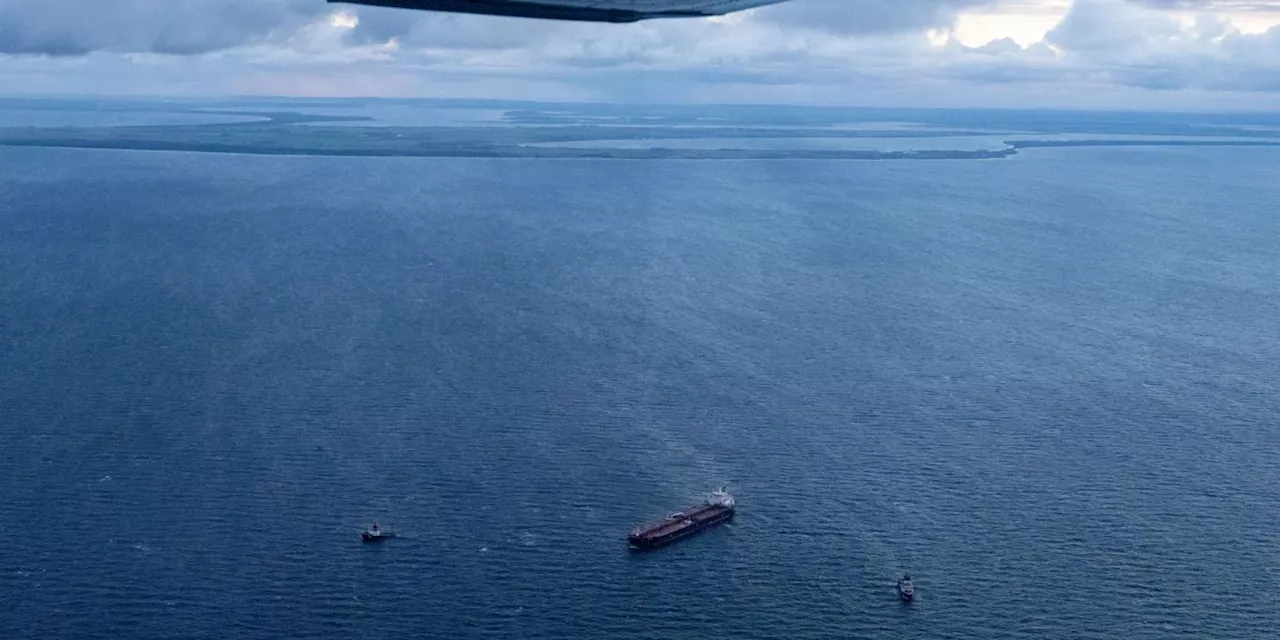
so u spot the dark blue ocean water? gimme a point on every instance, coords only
(1044, 386)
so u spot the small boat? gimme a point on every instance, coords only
(374, 534)
(906, 590)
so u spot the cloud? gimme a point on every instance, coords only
(428, 29)
(77, 27)
(867, 16)
(1135, 46)
(825, 51)
(1110, 25)
(997, 47)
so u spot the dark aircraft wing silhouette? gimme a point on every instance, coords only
(586, 10)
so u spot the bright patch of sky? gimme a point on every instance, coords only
(1028, 21)
(1025, 23)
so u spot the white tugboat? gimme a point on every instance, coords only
(906, 590)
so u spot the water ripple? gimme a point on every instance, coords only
(1038, 388)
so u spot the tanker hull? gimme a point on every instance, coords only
(681, 525)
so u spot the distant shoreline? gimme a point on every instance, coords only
(277, 133)
(654, 153)
(524, 152)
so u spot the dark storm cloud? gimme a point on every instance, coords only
(71, 27)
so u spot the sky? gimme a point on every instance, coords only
(1127, 54)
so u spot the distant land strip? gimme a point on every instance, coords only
(277, 133)
(518, 151)
(655, 153)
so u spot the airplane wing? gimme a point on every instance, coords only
(584, 10)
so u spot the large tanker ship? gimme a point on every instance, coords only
(682, 524)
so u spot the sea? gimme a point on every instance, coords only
(1045, 386)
